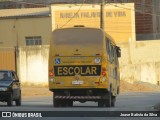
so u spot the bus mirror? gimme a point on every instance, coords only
(118, 51)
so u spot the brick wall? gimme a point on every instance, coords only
(143, 16)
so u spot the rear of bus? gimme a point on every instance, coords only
(77, 64)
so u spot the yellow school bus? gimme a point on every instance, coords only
(83, 66)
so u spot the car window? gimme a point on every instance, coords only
(14, 76)
(5, 76)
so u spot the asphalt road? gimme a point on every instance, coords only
(144, 101)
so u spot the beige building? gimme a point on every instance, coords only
(119, 21)
(22, 27)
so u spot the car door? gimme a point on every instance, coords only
(15, 86)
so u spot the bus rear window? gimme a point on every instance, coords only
(79, 37)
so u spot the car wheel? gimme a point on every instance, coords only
(10, 100)
(18, 101)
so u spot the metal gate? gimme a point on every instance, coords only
(7, 59)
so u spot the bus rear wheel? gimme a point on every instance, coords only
(113, 101)
(101, 103)
(69, 103)
(55, 102)
(108, 101)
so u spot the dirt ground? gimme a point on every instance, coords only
(138, 87)
(35, 91)
(28, 91)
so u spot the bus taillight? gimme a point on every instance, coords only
(104, 71)
(51, 74)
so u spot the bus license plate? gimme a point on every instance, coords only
(77, 82)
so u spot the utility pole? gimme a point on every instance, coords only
(102, 13)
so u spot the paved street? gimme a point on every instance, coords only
(125, 102)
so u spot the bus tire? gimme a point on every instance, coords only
(55, 103)
(108, 101)
(101, 103)
(63, 103)
(113, 101)
(70, 103)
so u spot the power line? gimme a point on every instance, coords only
(28, 3)
(145, 5)
(84, 2)
(138, 11)
(73, 15)
(73, 1)
(109, 4)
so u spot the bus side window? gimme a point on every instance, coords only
(115, 56)
(112, 54)
(111, 50)
(107, 48)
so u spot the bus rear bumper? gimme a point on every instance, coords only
(78, 97)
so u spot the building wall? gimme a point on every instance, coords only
(156, 19)
(144, 16)
(119, 19)
(8, 33)
(14, 31)
(147, 19)
(12, 34)
(140, 61)
(33, 64)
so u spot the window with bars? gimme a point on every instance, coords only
(33, 40)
